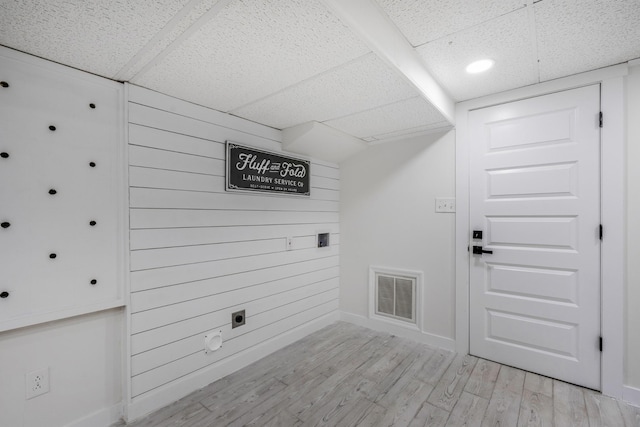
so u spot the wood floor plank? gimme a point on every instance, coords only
(188, 416)
(403, 406)
(226, 413)
(536, 409)
(631, 414)
(349, 396)
(432, 370)
(569, 407)
(429, 416)
(602, 411)
(538, 384)
(483, 378)
(450, 386)
(281, 419)
(469, 410)
(372, 417)
(258, 415)
(504, 405)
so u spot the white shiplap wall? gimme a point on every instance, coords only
(198, 253)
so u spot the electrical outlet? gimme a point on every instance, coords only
(37, 383)
(445, 204)
(289, 243)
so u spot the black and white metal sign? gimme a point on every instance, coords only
(253, 170)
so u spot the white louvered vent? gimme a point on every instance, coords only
(394, 294)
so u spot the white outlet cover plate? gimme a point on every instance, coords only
(445, 204)
(37, 383)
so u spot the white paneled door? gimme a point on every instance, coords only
(535, 196)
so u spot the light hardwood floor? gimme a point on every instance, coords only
(345, 375)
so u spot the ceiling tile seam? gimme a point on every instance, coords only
(389, 137)
(471, 27)
(533, 37)
(411, 130)
(157, 38)
(346, 116)
(211, 13)
(301, 82)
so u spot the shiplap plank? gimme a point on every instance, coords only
(332, 172)
(151, 117)
(148, 320)
(166, 257)
(164, 102)
(152, 138)
(176, 199)
(154, 338)
(177, 179)
(182, 218)
(153, 298)
(148, 279)
(274, 307)
(164, 374)
(170, 160)
(172, 237)
(324, 182)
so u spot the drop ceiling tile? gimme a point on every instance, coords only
(99, 36)
(507, 40)
(584, 35)
(359, 85)
(407, 115)
(252, 49)
(422, 21)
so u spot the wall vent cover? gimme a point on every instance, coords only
(394, 295)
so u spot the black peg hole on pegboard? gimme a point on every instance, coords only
(4, 155)
(52, 192)
(52, 128)
(4, 84)
(5, 224)
(92, 164)
(4, 294)
(92, 105)
(92, 223)
(94, 281)
(52, 256)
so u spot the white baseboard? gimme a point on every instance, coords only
(104, 417)
(378, 325)
(178, 389)
(631, 395)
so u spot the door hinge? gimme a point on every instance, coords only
(600, 343)
(601, 121)
(601, 231)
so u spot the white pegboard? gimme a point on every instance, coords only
(61, 130)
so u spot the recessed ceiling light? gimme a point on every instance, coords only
(480, 66)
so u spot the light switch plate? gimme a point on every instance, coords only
(445, 204)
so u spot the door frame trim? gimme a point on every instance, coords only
(612, 163)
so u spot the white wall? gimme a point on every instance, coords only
(84, 357)
(632, 336)
(387, 218)
(199, 253)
